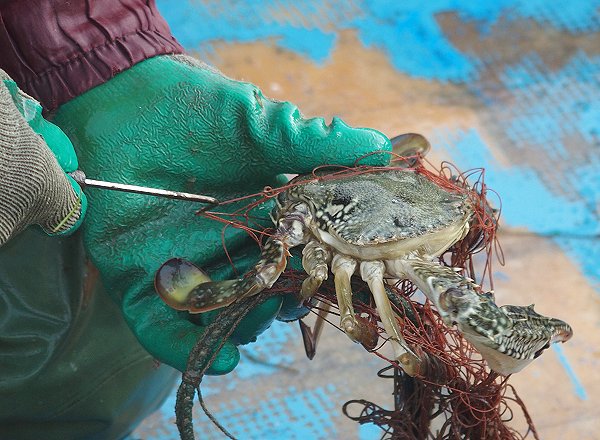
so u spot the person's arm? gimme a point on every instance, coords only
(55, 50)
(171, 122)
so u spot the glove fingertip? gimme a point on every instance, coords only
(257, 321)
(82, 199)
(72, 220)
(225, 361)
(344, 145)
(377, 152)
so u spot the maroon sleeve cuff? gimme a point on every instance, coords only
(56, 50)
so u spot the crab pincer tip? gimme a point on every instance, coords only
(175, 279)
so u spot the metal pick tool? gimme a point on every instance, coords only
(80, 177)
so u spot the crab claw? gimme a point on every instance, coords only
(184, 286)
(409, 145)
(530, 334)
(177, 282)
(508, 337)
(175, 279)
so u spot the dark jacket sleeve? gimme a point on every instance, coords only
(56, 50)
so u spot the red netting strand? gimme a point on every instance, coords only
(457, 397)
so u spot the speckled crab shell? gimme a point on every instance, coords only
(376, 208)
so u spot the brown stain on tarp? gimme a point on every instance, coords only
(357, 84)
(510, 39)
(362, 87)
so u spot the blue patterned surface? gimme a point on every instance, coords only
(548, 105)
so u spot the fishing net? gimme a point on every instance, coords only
(455, 396)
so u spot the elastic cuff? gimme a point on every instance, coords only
(80, 205)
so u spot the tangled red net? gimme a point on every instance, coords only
(457, 396)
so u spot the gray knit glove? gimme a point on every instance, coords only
(34, 156)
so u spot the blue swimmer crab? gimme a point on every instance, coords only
(388, 223)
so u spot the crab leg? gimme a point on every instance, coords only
(311, 336)
(182, 294)
(315, 258)
(408, 145)
(343, 267)
(372, 273)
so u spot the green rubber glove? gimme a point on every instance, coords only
(172, 122)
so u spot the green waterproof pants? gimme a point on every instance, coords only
(70, 368)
